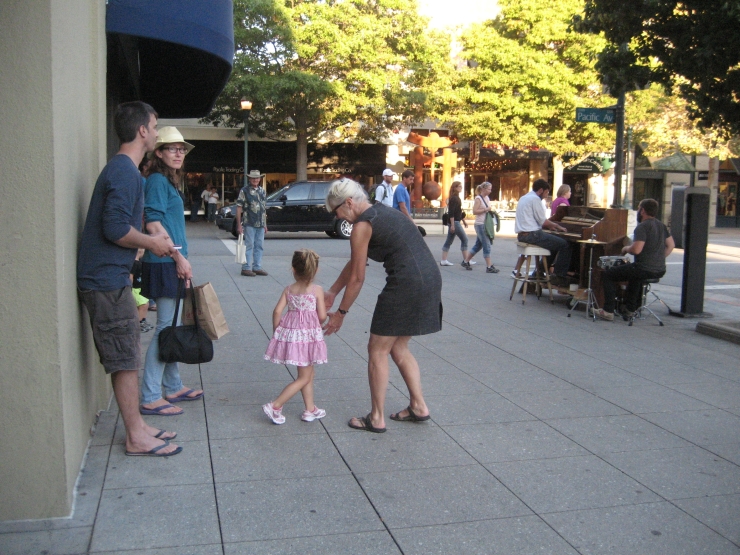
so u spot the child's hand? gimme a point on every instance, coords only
(329, 297)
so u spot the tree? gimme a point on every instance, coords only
(662, 125)
(690, 44)
(335, 68)
(527, 72)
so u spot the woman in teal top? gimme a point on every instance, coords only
(164, 211)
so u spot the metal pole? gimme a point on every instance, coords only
(246, 145)
(619, 153)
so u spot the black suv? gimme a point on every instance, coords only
(299, 206)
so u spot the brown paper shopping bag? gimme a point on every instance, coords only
(210, 316)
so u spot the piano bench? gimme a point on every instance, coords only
(541, 273)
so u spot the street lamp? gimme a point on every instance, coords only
(246, 108)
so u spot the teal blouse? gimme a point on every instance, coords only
(163, 203)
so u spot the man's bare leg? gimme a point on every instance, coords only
(139, 435)
(410, 373)
(378, 348)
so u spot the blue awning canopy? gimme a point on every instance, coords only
(177, 55)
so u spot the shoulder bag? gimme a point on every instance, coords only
(188, 344)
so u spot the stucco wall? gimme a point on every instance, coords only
(52, 113)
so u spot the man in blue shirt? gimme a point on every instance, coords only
(110, 240)
(401, 198)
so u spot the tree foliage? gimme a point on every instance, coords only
(662, 126)
(527, 72)
(689, 44)
(343, 68)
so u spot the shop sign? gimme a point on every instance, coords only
(590, 165)
(227, 169)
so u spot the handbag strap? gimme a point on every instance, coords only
(180, 284)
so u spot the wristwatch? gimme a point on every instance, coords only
(342, 312)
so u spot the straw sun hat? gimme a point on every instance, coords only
(169, 135)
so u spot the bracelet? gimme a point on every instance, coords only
(342, 312)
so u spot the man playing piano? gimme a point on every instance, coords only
(652, 245)
(529, 224)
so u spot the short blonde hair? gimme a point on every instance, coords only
(342, 189)
(563, 189)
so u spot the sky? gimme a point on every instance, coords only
(457, 12)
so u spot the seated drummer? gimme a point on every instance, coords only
(652, 245)
(529, 224)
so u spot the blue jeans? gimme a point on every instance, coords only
(559, 248)
(253, 239)
(482, 242)
(156, 372)
(460, 232)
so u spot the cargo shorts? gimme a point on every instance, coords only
(115, 325)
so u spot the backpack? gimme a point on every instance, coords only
(374, 194)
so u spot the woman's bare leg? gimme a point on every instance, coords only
(410, 373)
(378, 348)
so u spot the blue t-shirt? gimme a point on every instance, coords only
(163, 203)
(401, 195)
(116, 206)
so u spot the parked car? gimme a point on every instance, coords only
(299, 206)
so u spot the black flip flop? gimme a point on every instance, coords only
(155, 451)
(368, 425)
(412, 416)
(162, 432)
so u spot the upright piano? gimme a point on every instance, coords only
(606, 225)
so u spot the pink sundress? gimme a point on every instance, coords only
(298, 339)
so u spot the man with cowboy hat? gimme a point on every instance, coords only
(251, 220)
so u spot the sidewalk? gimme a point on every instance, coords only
(549, 435)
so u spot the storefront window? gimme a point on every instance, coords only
(727, 199)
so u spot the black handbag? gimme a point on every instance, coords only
(188, 344)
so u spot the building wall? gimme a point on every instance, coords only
(52, 112)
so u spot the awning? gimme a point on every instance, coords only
(675, 163)
(177, 54)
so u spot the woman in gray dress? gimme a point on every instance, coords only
(410, 303)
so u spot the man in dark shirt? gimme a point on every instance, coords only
(108, 247)
(652, 245)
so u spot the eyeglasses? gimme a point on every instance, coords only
(176, 149)
(337, 207)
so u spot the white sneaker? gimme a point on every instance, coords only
(446, 263)
(276, 415)
(472, 263)
(311, 415)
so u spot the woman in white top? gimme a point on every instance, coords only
(480, 207)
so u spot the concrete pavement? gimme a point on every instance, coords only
(548, 435)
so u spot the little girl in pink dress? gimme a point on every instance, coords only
(297, 337)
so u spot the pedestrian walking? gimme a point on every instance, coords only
(456, 223)
(481, 207)
(297, 337)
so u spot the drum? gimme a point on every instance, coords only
(612, 261)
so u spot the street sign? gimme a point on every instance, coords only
(596, 115)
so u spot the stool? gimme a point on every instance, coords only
(646, 305)
(526, 251)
